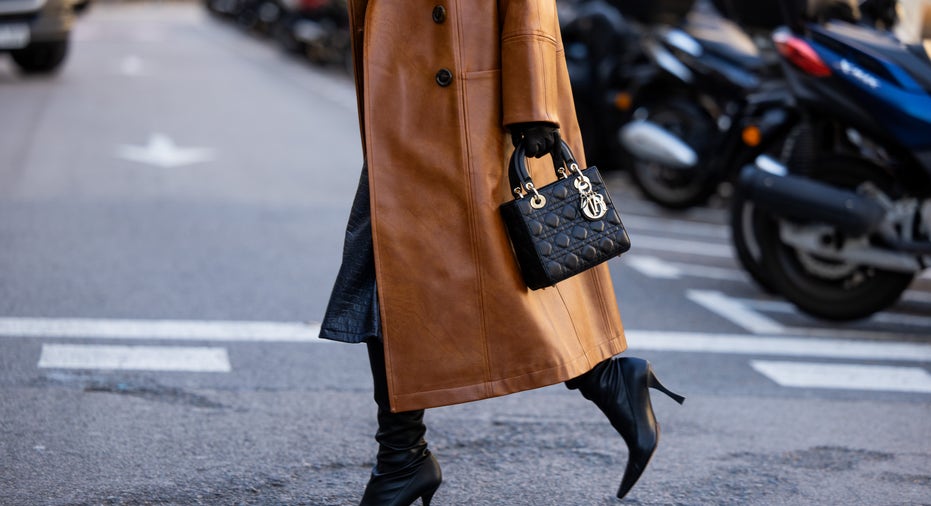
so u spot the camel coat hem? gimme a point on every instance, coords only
(536, 379)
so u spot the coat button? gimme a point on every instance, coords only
(444, 77)
(439, 14)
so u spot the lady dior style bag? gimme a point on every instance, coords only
(563, 228)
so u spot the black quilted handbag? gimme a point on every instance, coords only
(563, 228)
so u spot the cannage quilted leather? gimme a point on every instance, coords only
(556, 241)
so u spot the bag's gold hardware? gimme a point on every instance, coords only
(593, 206)
(592, 203)
(538, 201)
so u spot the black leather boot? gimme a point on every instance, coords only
(405, 469)
(620, 389)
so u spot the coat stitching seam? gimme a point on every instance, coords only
(516, 36)
(601, 299)
(575, 328)
(463, 99)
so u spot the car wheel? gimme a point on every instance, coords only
(41, 57)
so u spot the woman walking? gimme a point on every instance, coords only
(428, 279)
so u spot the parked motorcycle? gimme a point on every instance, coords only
(318, 29)
(843, 224)
(258, 15)
(603, 54)
(708, 78)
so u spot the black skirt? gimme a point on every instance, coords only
(352, 314)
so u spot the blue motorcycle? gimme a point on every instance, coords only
(841, 224)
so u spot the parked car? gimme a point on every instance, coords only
(36, 33)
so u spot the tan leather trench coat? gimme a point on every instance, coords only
(438, 82)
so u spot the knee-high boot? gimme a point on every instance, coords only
(405, 469)
(620, 389)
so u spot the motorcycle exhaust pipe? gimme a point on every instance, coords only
(804, 199)
(648, 141)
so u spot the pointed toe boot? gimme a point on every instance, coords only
(620, 389)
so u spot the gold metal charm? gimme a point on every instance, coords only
(593, 206)
(592, 203)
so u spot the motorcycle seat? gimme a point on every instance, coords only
(724, 39)
(916, 64)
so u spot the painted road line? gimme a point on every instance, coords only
(845, 376)
(653, 267)
(189, 330)
(775, 306)
(657, 268)
(636, 206)
(788, 346)
(744, 313)
(735, 311)
(667, 245)
(137, 358)
(676, 227)
(234, 331)
(916, 296)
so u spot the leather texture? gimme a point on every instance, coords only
(556, 241)
(352, 314)
(458, 322)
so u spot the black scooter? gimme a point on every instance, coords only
(708, 80)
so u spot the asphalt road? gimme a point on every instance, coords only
(174, 201)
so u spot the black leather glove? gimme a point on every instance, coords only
(538, 137)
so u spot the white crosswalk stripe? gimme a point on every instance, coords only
(654, 238)
(661, 243)
(846, 376)
(215, 359)
(138, 358)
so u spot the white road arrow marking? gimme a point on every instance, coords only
(845, 376)
(162, 152)
(138, 358)
(131, 66)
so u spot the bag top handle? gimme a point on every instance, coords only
(519, 175)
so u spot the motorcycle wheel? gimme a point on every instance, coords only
(743, 221)
(41, 57)
(825, 288)
(668, 186)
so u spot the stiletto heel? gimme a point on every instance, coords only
(428, 497)
(620, 387)
(654, 383)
